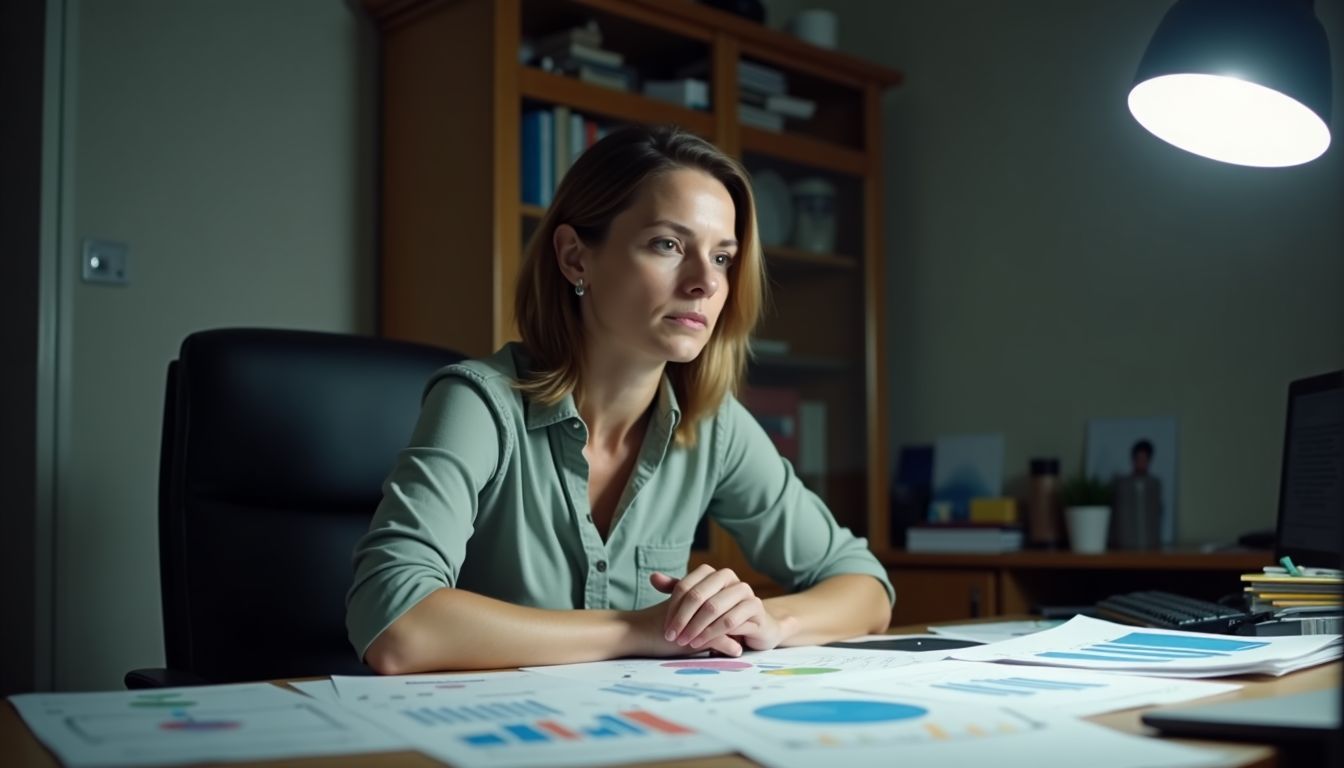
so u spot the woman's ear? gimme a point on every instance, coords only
(570, 253)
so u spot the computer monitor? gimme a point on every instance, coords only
(1311, 486)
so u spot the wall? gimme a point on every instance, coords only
(229, 143)
(25, 406)
(1049, 261)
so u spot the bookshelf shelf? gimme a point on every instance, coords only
(804, 150)
(455, 99)
(609, 102)
(793, 258)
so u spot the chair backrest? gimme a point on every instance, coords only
(275, 447)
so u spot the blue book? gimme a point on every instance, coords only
(548, 179)
(534, 164)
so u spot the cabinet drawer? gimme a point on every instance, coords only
(942, 594)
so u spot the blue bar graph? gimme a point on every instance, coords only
(485, 740)
(1152, 647)
(1015, 686)
(616, 725)
(656, 692)
(481, 713)
(526, 733)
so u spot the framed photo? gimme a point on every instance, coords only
(1122, 448)
(965, 467)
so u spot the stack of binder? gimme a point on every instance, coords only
(1309, 604)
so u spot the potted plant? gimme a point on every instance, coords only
(1087, 509)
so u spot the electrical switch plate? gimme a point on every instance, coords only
(106, 261)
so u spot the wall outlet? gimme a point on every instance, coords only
(106, 261)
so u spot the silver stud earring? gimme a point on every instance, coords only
(579, 290)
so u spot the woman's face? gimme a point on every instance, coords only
(655, 288)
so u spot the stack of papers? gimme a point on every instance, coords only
(1088, 643)
(174, 726)
(784, 708)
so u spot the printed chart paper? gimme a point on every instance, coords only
(480, 684)
(318, 689)
(252, 721)
(804, 728)
(1074, 692)
(703, 677)
(1089, 643)
(565, 726)
(994, 631)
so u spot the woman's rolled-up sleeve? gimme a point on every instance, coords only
(783, 528)
(417, 539)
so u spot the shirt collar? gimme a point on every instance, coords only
(667, 413)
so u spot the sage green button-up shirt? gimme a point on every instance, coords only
(491, 496)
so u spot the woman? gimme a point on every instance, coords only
(544, 511)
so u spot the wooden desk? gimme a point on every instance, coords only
(949, 587)
(18, 748)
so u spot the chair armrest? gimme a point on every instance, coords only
(159, 677)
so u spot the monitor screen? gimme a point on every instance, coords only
(1311, 486)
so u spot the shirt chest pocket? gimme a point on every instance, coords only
(668, 559)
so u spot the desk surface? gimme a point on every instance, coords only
(18, 748)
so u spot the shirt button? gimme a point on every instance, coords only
(601, 566)
(590, 518)
(574, 423)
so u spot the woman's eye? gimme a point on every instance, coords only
(665, 244)
(723, 259)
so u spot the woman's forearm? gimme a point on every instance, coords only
(842, 606)
(455, 629)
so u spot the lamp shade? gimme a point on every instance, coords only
(1241, 81)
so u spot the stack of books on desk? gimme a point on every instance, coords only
(1309, 604)
(963, 537)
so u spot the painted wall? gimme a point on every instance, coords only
(1049, 261)
(230, 144)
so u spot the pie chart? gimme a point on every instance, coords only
(840, 712)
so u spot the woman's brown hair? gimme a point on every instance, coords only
(601, 184)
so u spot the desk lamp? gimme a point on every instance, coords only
(1240, 81)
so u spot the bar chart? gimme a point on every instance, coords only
(1151, 647)
(600, 727)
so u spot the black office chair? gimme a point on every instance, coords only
(275, 447)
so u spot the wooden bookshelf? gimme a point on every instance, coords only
(453, 224)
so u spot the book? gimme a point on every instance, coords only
(751, 76)
(686, 92)
(617, 78)
(560, 148)
(580, 52)
(760, 78)
(776, 409)
(760, 118)
(537, 162)
(789, 106)
(963, 538)
(578, 139)
(589, 34)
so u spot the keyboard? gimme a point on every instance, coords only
(1168, 611)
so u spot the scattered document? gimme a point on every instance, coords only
(1089, 643)
(483, 685)
(570, 725)
(1076, 692)
(252, 721)
(318, 689)
(994, 631)
(804, 728)
(703, 677)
